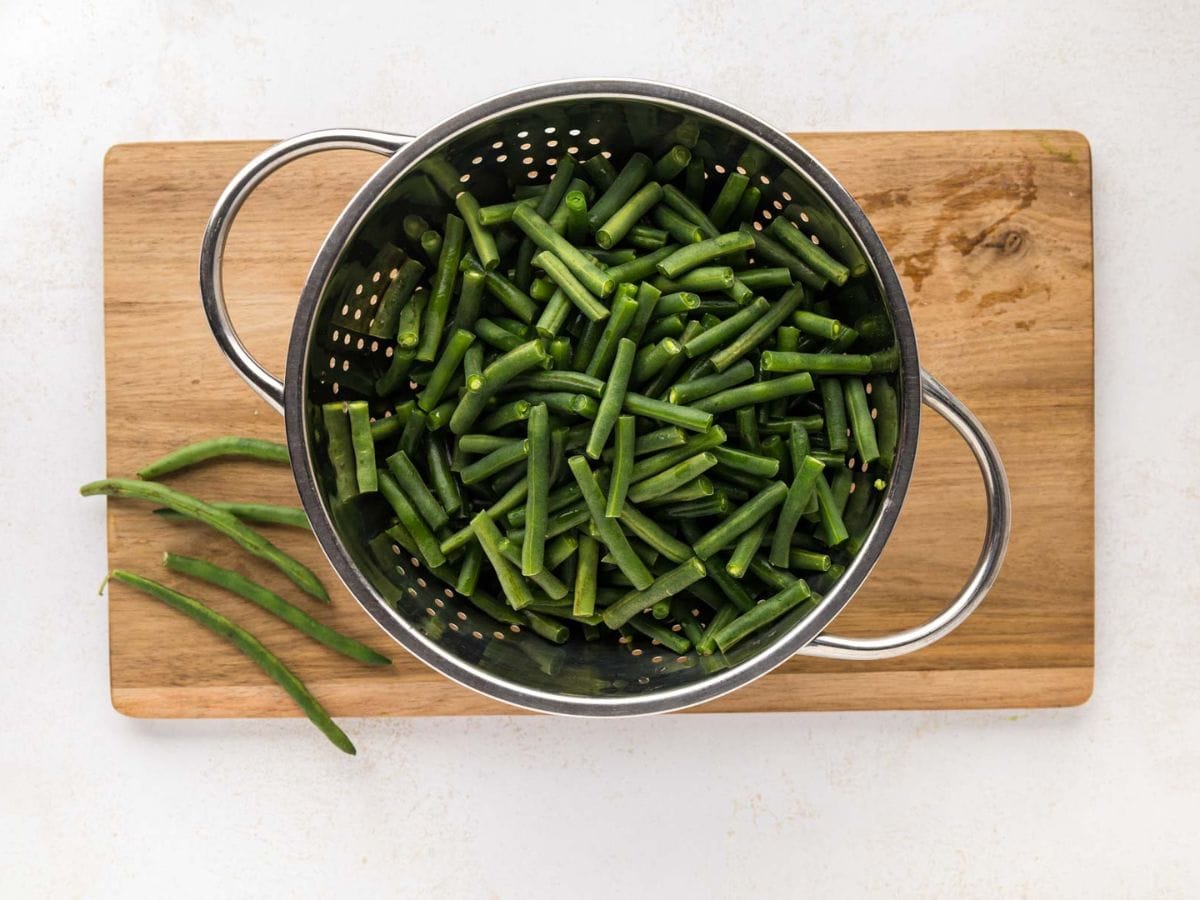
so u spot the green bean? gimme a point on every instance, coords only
(542, 289)
(261, 513)
(274, 604)
(600, 171)
(609, 530)
(363, 445)
(658, 634)
(747, 427)
(615, 389)
(727, 200)
(758, 507)
(387, 316)
(553, 631)
(743, 461)
(807, 252)
(414, 226)
(671, 163)
(716, 505)
(550, 584)
(408, 324)
(698, 388)
(624, 309)
(414, 487)
(679, 302)
(496, 336)
(699, 280)
(385, 428)
(613, 257)
(669, 479)
(443, 286)
(831, 233)
(765, 279)
(808, 561)
(516, 590)
(538, 474)
(584, 603)
(799, 445)
(654, 535)
(759, 330)
(761, 615)
(757, 393)
(447, 367)
(215, 448)
(858, 408)
(687, 417)
(726, 614)
(801, 489)
(644, 237)
(512, 498)
(444, 485)
(727, 331)
(834, 403)
(640, 268)
(653, 358)
(692, 256)
(668, 327)
(577, 226)
(628, 180)
(571, 286)
(773, 253)
(660, 462)
(515, 362)
(470, 298)
(593, 276)
(623, 219)
(667, 585)
(747, 207)
(556, 380)
(400, 502)
(414, 428)
(622, 466)
(678, 227)
(817, 325)
(831, 517)
(500, 417)
(647, 304)
(219, 520)
(696, 489)
(816, 363)
(501, 213)
(512, 297)
(431, 243)
(249, 645)
(468, 571)
(496, 461)
(745, 548)
(481, 238)
(694, 176)
(554, 314)
(887, 423)
(567, 404)
(339, 447)
(676, 200)
(778, 579)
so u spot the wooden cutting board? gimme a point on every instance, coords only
(992, 235)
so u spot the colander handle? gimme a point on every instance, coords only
(212, 250)
(995, 544)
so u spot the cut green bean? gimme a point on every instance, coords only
(608, 529)
(727, 200)
(579, 295)
(684, 416)
(438, 306)
(410, 481)
(615, 389)
(397, 296)
(653, 358)
(427, 545)
(816, 363)
(672, 478)
(678, 227)
(481, 238)
(600, 171)
(494, 462)
(338, 445)
(831, 516)
(622, 220)
(757, 393)
(727, 331)
(584, 603)
(761, 615)
(887, 422)
(624, 309)
(622, 467)
(515, 362)
(445, 370)
(627, 182)
(647, 298)
(671, 163)
(643, 267)
(862, 427)
(749, 463)
(516, 590)
(758, 331)
(834, 403)
(690, 257)
(698, 388)
(676, 200)
(745, 549)
(807, 252)
(773, 253)
(664, 586)
(701, 280)
(538, 475)
(758, 507)
(801, 489)
(219, 520)
(593, 275)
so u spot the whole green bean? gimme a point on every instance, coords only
(274, 604)
(249, 645)
(221, 521)
(261, 513)
(215, 448)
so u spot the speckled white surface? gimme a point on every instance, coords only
(1097, 801)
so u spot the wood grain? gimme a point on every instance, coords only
(992, 234)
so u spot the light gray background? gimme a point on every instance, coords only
(1097, 801)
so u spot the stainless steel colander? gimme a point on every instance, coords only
(511, 140)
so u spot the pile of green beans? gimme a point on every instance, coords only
(622, 404)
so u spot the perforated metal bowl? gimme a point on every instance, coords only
(511, 140)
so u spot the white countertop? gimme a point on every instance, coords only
(1097, 801)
